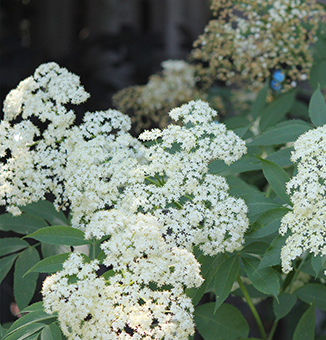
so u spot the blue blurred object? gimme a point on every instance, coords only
(278, 76)
(275, 85)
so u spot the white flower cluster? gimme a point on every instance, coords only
(151, 204)
(193, 206)
(307, 220)
(248, 40)
(143, 298)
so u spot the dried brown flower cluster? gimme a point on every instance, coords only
(249, 40)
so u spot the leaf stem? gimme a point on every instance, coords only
(252, 308)
(271, 334)
(297, 271)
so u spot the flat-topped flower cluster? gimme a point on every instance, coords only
(152, 204)
(307, 189)
(248, 40)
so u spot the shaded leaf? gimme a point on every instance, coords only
(317, 108)
(313, 292)
(226, 323)
(259, 102)
(318, 263)
(24, 287)
(264, 279)
(54, 249)
(317, 75)
(25, 332)
(272, 257)
(305, 329)
(284, 305)
(11, 244)
(46, 211)
(22, 224)
(225, 277)
(51, 332)
(6, 264)
(277, 178)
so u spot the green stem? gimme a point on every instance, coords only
(271, 334)
(252, 308)
(153, 182)
(177, 204)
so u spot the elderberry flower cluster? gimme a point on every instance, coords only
(143, 295)
(193, 206)
(173, 86)
(307, 189)
(248, 40)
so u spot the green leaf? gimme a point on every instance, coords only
(318, 263)
(54, 249)
(209, 267)
(264, 279)
(270, 222)
(11, 245)
(275, 111)
(6, 264)
(50, 264)
(226, 323)
(3, 331)
(257, 248)
(35, 307)
(305, 329)
(272, 257)
(313, 292)
(317, 75)
(226, 275)
(282, 133)
(258, 204)
(51, 332)
(46, 211)
(281, 157)
(22, 224)
(26, 332)
(62, 235)
(260, 102)
(31, 318)
(284, 305)
(24, 287)
(317, 108)
(277, 178)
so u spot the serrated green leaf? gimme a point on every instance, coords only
(317, 74)
(23, 224)
(284, 305)
(272, 257)
(275, 111)
(317, 108)
(264, 279)
(46, 211)
(62, 235)
(305, 329)
(318, 263)
(282, 133)
(313, 292)
(31, 318)
(51, 332)
(226, 323)
(259, 102)
(209, 267)
(226, 276)
(50, 264)
(26, 332)
(24, 287)
(258, 204)
(11, 245)
(6, 264)
(277, 178)
(270, 222)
